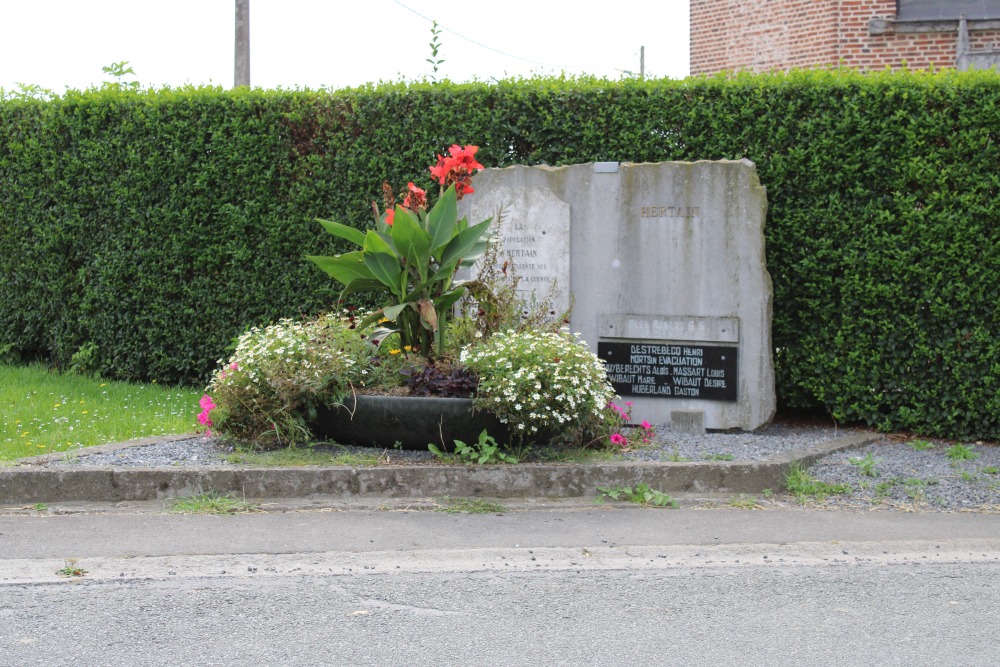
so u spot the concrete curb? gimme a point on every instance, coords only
(26, 484)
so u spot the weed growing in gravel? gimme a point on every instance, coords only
(883, 489)
(920, 445)
(719, 457)
(469, 506)
(969, 477)
(483, 452)
(916, 488)
(40, 507)
(990, 470)
(675, 457)
(209, 503)
(961, 453)
(866, 464)
(640, 495)
(805, 486)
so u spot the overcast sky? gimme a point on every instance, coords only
(335, 43)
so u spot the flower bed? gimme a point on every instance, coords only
(435, 337)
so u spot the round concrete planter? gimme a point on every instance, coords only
(413, 421)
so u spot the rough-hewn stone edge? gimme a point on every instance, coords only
(531, 480)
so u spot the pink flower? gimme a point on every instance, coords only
(621, 413)
(646, 425)
(629, 404)
(234, 366)
(618, 439)
(206, 407)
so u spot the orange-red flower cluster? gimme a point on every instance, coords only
(457, 168)
(415, 199)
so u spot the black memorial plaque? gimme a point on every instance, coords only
(669, 370)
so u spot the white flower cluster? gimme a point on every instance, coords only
(276, 370)
(536, 380)
(285, 353)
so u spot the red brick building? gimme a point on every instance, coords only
(766, 35)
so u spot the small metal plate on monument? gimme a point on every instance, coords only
(707, 372)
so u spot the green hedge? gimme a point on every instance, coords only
(152, 227)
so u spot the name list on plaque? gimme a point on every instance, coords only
(706, 372)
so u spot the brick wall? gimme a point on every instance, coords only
(763, 35)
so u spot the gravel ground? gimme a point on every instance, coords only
(892, 474)
(889, 474)
(731, 446)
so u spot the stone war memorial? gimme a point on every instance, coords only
(664, 266)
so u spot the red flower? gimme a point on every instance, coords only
(457, 169)
(416, 198)
(389, 215)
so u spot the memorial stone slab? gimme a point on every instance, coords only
(533, 229)
(667, 274)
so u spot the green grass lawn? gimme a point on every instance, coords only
(43, 411)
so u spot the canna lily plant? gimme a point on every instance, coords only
(413, 253)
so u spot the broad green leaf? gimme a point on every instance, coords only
(442, 220)
(376, 316)
(375, 242)
(343, 231)
(392, 312)
(386, 269)
(344, 268)
(361, 285)
(382, 261)
(477, 251)
(449, 299)
(412, 242)
(462, 245)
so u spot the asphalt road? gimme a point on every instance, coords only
(545, 585)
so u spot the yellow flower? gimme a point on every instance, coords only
(84, 412)
(393, 351)
(408, 348)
